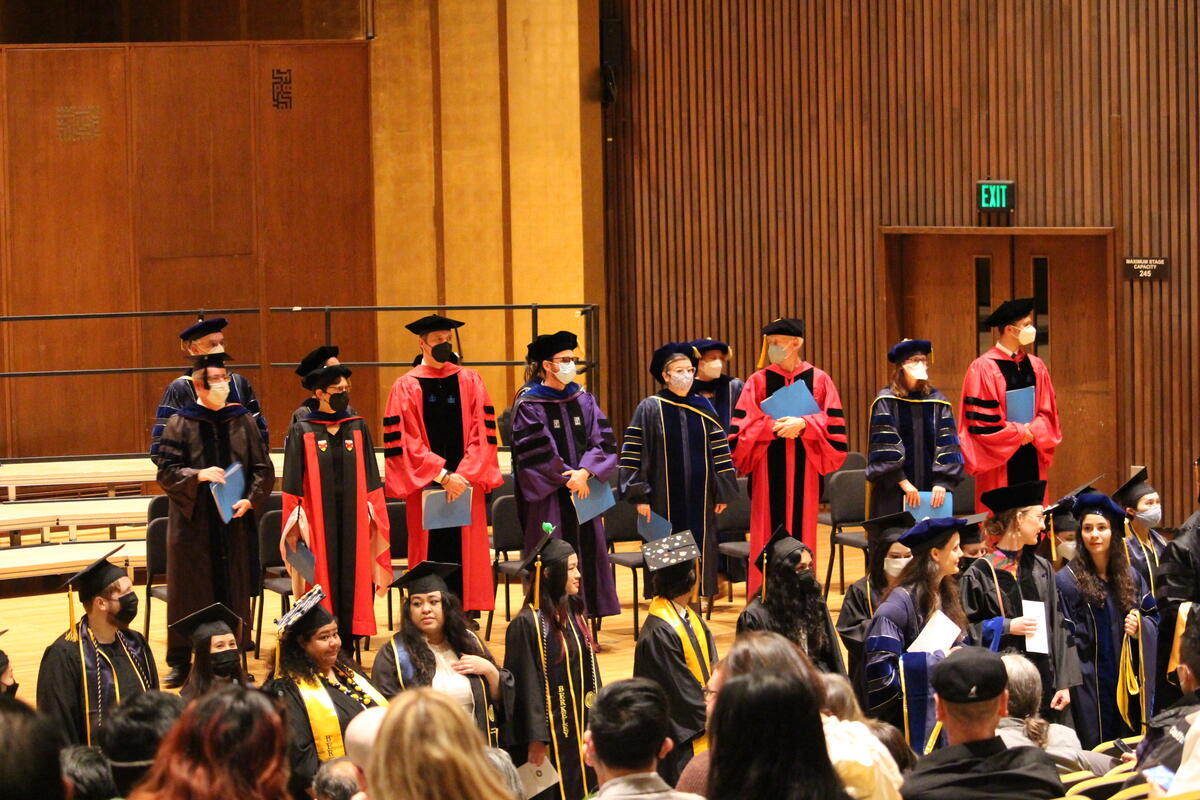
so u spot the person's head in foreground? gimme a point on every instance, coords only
(337, 779)
(972, 694)
(627, 729)
(88, 772)
(134, 732)
(29, 760)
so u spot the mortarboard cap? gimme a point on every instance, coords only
(907, 348)
(931, 532)
(658, 361)
(1020, 495)
(545, 346)
(210, 360)
(970, 532)
(678, 548)
(552, 550)
(1098, 503)
(1009, 312)
(428, 576)
(96, 577)
(702, 346)
(889, 528)
(306, 615)
(210, 621)
(324, 377)
(970, 675)
(778, 547)
(784, 326)
(316, 359)
(1061, 518)
(1132, 490)
(433, 322)
(203, 327)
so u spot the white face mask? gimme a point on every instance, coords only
(711, 370)
(219, 392)
(680, 381)
(892, 567)
(1151, 517)
(917, 371)
(1027, 335)
(777, 354)
(566, 372)
(1066, 550)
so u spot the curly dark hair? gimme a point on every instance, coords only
(1095, 587)
(454, 627)
(997, 526)
(295, 663)
(797, 613)
(922, 577)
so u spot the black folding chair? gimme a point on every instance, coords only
(964, 497)
(398, 523)
(733, 525)
(160, 506)
(270, 527)
(156, 565)
(847, 509)
(507, 536)
(620, 525)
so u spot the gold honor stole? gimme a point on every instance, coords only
(1130, 680)
(665, 610)
(323, 718)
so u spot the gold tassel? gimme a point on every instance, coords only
(537, 582)
(1053, 547)
(72, 633)
(762, 354)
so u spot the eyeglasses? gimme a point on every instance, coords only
(564, 360)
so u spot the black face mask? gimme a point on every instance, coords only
(443, 353)
(128, 609)
(339, 402)
(808, 582)
(965, 562)
(226, 663)
(11, 689)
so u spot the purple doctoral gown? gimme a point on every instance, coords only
(555, 431)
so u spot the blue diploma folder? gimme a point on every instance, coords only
(227, 493)
(600, 499)
(438, 512)
(653, 529)
(1020, 404)
(791, 401)
(927, 511)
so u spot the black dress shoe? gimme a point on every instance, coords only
(176, 677)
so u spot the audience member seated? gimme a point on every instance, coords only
(429, 749)
(892, 738)
(971, 699)
(337, 779)
(361, 734)
(88, 772)
(8, 680)
(627, 737)
(29, 759)
(840, 700)
(1165, 735)
(1023, 727)
(133, 734)
(229, 744)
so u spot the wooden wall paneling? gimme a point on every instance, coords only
(68, 228)
(314, 253)
(6, 276)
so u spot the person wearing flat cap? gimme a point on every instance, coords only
(675, 649)
(712, 381)
(996, 588)
(785, 457)
(210, 549)
(1113, 623)
(548, 649)
(333, 501)
(886, 559)
(439, 432)
(1143, 515)
(561, 440)
(436, 647)
(1003, 448)
(895, 680)
(914, 442)
(972, 697)
(320, 687)
(216, 658)
(675, 459)
(790, 602)
(311, 370)
(203, 337)
(100, 661)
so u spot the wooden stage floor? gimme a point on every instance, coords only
(34, 622)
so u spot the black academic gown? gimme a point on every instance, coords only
(111, 673)
(659, 656)
(1177, 582)
(490, 714)
(570, 697)
(858, 606)
(302, 750)
(209, 561)
(828, 658)
(1034, 580)
(983, 770)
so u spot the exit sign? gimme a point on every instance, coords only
(996, 195)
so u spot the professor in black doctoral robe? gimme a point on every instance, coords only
(209, 561)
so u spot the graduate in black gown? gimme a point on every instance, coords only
(886, 559)
(435, 647)
(914, 443)
(675, 648)
(549, 651)
(1143, 512)
(217, 660)
(100, 661)
(321, 689)
(994, 587)
(790, 602)
(675, 459)
(712, 382)
(324, 356)
(210, 560)
(1177, 592)
(1114, 625)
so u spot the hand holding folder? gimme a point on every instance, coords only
(791, 401)
(439, 511)
(600, 499)
(1019, 405)
(230, 492)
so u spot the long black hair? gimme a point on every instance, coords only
(797, 611)
(1095, 587)
(768, 741)
(201, 678)
(454, 627)
(554, 603)
(922, 577)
